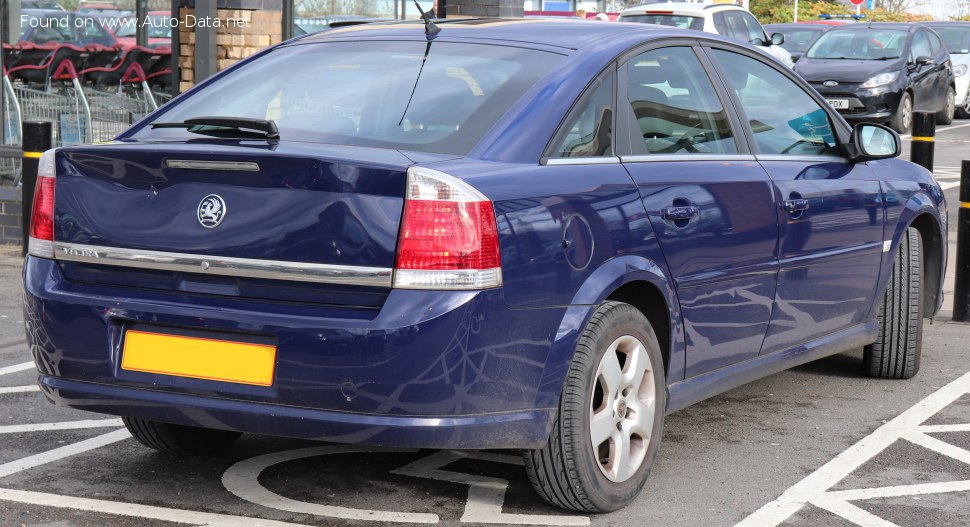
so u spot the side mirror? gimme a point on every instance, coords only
(777, 39)
(874, 141)
(925, 61)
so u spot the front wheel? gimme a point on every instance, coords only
(945, 116)
(610, 418)
(963, 112)
(896, 353)
(903, 119)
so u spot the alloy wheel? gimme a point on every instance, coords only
(622, 409)
(907, 110)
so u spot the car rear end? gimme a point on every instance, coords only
(328, 285)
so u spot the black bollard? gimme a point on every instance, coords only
(37, 139)
(961, 290)
(924, 131)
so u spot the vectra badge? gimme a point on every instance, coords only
(211, 211)
(830, 84)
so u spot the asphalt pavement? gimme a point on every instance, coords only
(818, 445)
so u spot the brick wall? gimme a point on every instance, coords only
(11, 212)
(235, 41)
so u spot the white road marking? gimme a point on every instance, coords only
(486, 495)
(50, 456)
(815, 487)
(148, 512)
(66, 425)
(19, 389)
(16, 368)
(242, 479)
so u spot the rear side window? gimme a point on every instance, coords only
(411, 95)
(589, 132)
(675, 104)
(783, 118)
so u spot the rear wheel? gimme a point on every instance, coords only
(963, 112)
(178, 439)
(945, 116)
(896, 353)
(903, 119)
(610, 419)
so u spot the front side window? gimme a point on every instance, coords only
(439, 97)
(783, 118)
(921, 45)
(675, 104)
(755, 32)
(589, 133)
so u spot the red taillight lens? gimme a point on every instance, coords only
(449, 239)
(42, 212)
(445, 235)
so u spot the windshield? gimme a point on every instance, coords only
(859, 44)
(957, 39)
(157, 27)
(371, 93)
(798, 40)
(681, 21)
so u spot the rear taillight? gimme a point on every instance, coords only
(448, 235)
(41, 240)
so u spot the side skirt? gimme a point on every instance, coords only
(695, 389)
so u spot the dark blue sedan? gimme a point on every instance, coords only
(518, 234)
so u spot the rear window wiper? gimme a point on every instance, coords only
(226, 126)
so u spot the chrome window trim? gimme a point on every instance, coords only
(672, 158)
(224, 266)
(192, 164)
(561, 161)
(802, 158)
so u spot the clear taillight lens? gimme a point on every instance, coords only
(448, 238)
(41, 240)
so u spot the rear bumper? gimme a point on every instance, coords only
(428, 369)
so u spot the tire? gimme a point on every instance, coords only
(945, 116)
(896, 353)
(903, 119)
(178, 439)
(567, 472)
(963, 112)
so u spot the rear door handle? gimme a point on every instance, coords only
(793, 206)
(680, 213)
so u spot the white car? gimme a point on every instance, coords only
(956, 37)
(723, 19)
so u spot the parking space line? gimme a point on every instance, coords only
(65, 425)
(50, 456)
(147, 512)
(814, 488)
(938, 130)
(19, 389)
(16, 368)
(941, 447)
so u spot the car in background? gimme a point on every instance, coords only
(45, 26)
(732, 21)
(159, 31)
(882, 72)
(393, 235)
(302, 26)
(49, 5)
(956, 38)
(798, 37)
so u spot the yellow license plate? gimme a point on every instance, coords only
(199, 358)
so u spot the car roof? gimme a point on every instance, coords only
(798, 25)
(942, 23)
(902, 26)
(684, 7)
(563, 33)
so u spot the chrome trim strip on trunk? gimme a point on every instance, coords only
(226, 266)
(191, 164)
(565, 161)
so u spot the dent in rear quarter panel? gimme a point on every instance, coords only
(909, 191)
(598, 209)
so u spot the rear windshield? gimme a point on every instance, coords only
(957, 39)
(681, 21)
(859, 44)
(377, 94)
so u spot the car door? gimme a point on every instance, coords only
(830, 214)
(924, 76)
(712, 207)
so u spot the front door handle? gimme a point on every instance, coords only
(680, 213)
(794, 206)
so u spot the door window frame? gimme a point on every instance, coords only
(549, 153)
(841, 129)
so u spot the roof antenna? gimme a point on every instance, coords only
(431, 30)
